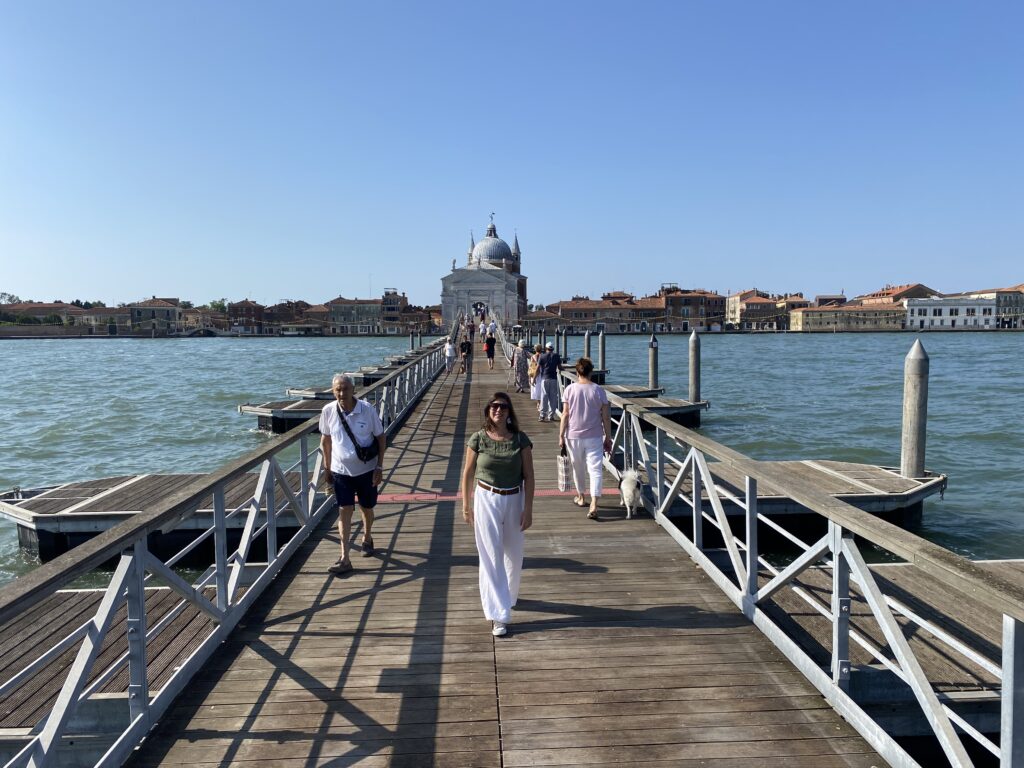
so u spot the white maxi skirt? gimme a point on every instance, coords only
(497, 526)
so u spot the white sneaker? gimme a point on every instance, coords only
(499, 629)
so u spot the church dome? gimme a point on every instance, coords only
(492, 248)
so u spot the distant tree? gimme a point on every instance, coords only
(219, 305)
(78, 303)
(185, 304)
(98, 303)
(9, 298)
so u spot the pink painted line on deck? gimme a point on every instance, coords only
(399, 498)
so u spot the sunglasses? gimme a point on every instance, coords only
(498, 406)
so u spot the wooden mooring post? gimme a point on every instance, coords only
(586, 344)
(600, 352)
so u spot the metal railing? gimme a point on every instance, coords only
(223, 593)
(668, 455)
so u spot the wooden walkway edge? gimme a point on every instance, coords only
(622, 651)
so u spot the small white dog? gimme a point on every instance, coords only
(629, 490)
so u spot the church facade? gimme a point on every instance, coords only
(490, 278)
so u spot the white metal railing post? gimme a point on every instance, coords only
(659, 448)
(1011, 731)
(698, 503)
(220, 547)
(304, 475)
(840, 608)
(627, 440)
(135, 598)
(751, 533)
(271, 507)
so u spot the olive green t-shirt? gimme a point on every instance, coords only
(499, 462)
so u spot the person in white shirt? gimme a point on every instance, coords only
(449, 355)
(350, 476)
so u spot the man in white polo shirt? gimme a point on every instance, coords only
(344, 424)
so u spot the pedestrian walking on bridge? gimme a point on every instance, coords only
(497, 500)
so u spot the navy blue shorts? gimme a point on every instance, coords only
(348, 487)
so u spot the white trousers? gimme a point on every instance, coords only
(497, 522)
(587, 456)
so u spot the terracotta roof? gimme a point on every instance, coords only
(343, 300)
(316, 308)
(244, 303)
(647, 302)
(746, 293)
(759, 300)
(153, 303)
(855, 308)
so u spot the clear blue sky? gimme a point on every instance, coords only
(306, 150)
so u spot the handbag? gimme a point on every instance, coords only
(532, 369)
(363, 452)
(564, 470)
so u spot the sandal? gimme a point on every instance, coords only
(340, 566)
(592, 514)
(579, 501)
(368, 549)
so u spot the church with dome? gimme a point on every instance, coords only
(490, 278)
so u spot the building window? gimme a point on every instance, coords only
(970, 311)
(937, 312)
(954, 312)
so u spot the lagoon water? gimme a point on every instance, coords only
(79, 409)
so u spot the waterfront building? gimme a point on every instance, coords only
(491, 278)
(246, 317)
(355, 316)
(895, 294)
(156, 315)
(692, 309)
(784, 305)
(285, 312)
(541, 320)
(107, 320)
(51, 312)
(829, 300)
(951, 313)
(752, 310)
(318, 313)
(615, 312)
(849, 317)
(199, 318)
(1009, 305)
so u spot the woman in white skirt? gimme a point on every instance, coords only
(586, 429)
(536, 383)
(497, 500)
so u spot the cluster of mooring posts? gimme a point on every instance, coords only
(281, 415)
(808, 656)
(55, 520)
(682, 411)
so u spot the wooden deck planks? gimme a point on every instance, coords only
(622, 651)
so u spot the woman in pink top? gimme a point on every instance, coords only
(586, 430)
